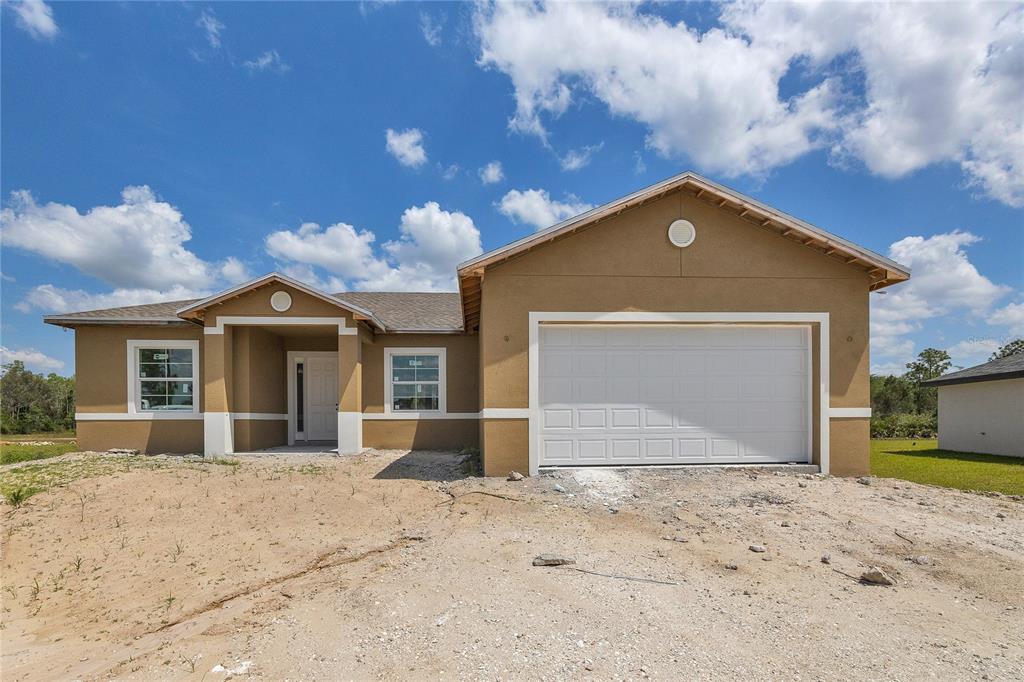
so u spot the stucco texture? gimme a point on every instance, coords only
(626, 263)
(985, 417)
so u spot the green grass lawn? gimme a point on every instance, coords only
(47, 435)
(921, 461)
(11, 453)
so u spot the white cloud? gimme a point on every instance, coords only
(450, 172)
(211, 26)
(32, 358)
(406, 146)
(268, 61)
(899, 86)
(492, 173)
(36, 18)
(431, 244)
(53, 299)
(943, 282)
(536, 207)
(971, 352)
(137, 247)
(1011, 315)
(639, 165)
(576, 159)
(431, 31)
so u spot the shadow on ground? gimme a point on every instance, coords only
(432, 465)
(954, 456)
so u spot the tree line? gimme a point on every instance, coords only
(31, 403)
(902, 408)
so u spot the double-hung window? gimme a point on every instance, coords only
(416, 379)
(163, 376)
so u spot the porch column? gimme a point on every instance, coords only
(350, 391)
(218, 430)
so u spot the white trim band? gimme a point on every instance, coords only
(259, 416)
(224, 320)
(505, 413)
(138, 416)
(418, 416)
(849, 413)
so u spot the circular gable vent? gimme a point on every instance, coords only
(280, 301)
(681, 233)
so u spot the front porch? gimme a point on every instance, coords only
(281, 385)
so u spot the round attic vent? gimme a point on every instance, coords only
(280, 301)
(681, 233)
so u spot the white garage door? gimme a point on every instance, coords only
(619, 395)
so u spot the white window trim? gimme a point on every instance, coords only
(134, 412)
(442, 383)
(262, 320)
(538, 318)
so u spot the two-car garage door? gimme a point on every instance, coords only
(662, 394)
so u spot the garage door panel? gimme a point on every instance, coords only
(591, 419)
(673, 394)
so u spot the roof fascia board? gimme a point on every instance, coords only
(669, 185)
(284, 279)
(952, 381)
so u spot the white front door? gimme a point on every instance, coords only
(320, 408)
(659, 394)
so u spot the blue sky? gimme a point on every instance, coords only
(160, 151)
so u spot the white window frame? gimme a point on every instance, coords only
(135, 382)
(442, 382)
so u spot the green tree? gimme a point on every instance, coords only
(30, 402)
(1013, 348)
(930, 363)
(892, 395)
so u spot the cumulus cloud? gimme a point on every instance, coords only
(575, 159)
(1011, 315)
(32, 358)
(944, 282)
(35, 17)
(268, 61)
(431, 243)
(137, 247)
(536, 207)
(492, 173)
(898, 86)
(406, 146)
(971, 352)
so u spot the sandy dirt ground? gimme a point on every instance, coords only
(391, 565)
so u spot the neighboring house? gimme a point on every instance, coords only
(684, 323)
(981, 409)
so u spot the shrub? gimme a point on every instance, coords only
(904, 426)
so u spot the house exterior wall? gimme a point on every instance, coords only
(985, 417)
(101, 386)
(626, 263)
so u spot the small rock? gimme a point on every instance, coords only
(552, 560)
(921, 560)
(758, 549)
(122, 451)
(675, 538)
(732, 566)
(876, 576)
(801, 484)
(515, 476)
(826, 558)
(1000, 515)
(559, 488)
(613, 510)
(864, 480)
(785, 524)
(766, 557)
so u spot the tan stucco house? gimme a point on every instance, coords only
(981, 408)
(684, 323)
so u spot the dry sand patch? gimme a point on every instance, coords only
(396, 565)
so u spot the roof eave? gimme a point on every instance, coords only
(198, 306)
(894, 272)
(977, 379)
(72, 322)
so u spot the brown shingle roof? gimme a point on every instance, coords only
(399, 311)
(1010, 367)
